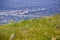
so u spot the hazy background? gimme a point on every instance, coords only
(10, 4)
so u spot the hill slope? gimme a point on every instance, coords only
(44, 28)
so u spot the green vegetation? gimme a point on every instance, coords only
(44, 28)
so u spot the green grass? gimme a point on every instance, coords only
(35, 29)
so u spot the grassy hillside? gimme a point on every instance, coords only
(45, 28)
